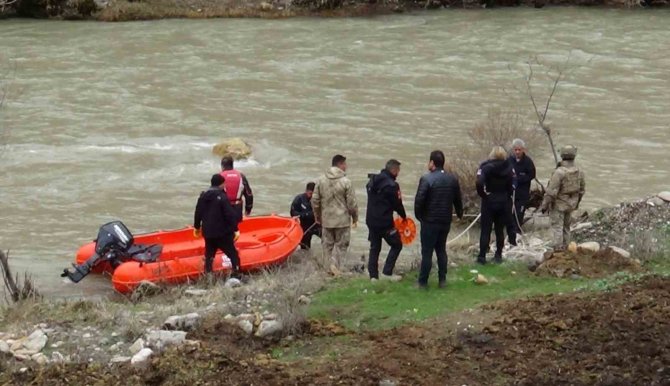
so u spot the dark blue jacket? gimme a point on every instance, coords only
(525, 174)
(495, 181)
(437, 193)
(383, 199)
(302, 207)
(214, 214)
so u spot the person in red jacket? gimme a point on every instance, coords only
(237, 187)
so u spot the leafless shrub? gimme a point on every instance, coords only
(18, 290)
(642, 244)
(499, 128)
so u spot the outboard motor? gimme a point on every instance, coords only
(113, 244)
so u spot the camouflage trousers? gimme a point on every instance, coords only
(335, 243)
(560, 227)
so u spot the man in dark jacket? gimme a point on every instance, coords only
(384, 198)
(524, 169)
(438, 192)
(219, 222)
(495, 187)
(301, 207)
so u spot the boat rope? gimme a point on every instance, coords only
(466, 230)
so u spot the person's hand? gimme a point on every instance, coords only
(247, 212)
(197, 233)
(404, 219)
(354, 224)
(237, 235)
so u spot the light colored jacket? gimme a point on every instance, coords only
(565, 189)
(334, 200)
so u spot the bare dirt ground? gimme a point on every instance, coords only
(620, 337)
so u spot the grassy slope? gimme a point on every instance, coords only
(359, 304)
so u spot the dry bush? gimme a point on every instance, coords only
(499, 128)
(642, 244)
(14, 289)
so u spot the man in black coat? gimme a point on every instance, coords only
(384, 198)
(437, 193)
(524, 169)
(301, 207)
(218, 221)
(495, 187)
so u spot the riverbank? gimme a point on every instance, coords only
(288, 324)
(124, 10)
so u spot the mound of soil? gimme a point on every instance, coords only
(611, 338)
(618, 225)
(600, 264)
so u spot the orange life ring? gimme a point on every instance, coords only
(406, 229)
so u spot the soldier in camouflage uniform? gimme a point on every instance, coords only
(335, 208)
(563, 195)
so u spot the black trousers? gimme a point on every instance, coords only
(520, 210)
(309, 232)
(392, 238)
(496, 215)
(433, 238)
(225, 244)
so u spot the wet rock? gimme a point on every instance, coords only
(188, 322)
(588, 247)
(246, 326)
(268, 328)
(233, 283)
(4, 347)
(119, 359)
(142, 357)
(665, 196)
(136, 346)
(195, 292)
(619, 251)
(233, 147)
(304, 300)
(160, 339)
(655, 201)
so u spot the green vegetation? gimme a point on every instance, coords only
(361, 305)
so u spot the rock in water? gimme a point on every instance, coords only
(186, 322)
(588, 247)
(142, 357)
(665, 196)
(233, 147)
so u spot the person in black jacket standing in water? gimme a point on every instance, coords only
(218, 220)
(438, 192)
(384, 198)
(524, 169)
(301, 207)
(495, 187)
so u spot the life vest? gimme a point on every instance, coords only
(234, 185)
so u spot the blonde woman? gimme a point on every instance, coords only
(495, 187)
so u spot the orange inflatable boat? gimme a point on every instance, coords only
(179, 256)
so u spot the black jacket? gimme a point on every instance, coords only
(438, 191)
(494, 181)
(302, 207)
(525, 173)
(215, 214)
(383, 199)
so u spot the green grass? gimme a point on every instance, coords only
(361, 305)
